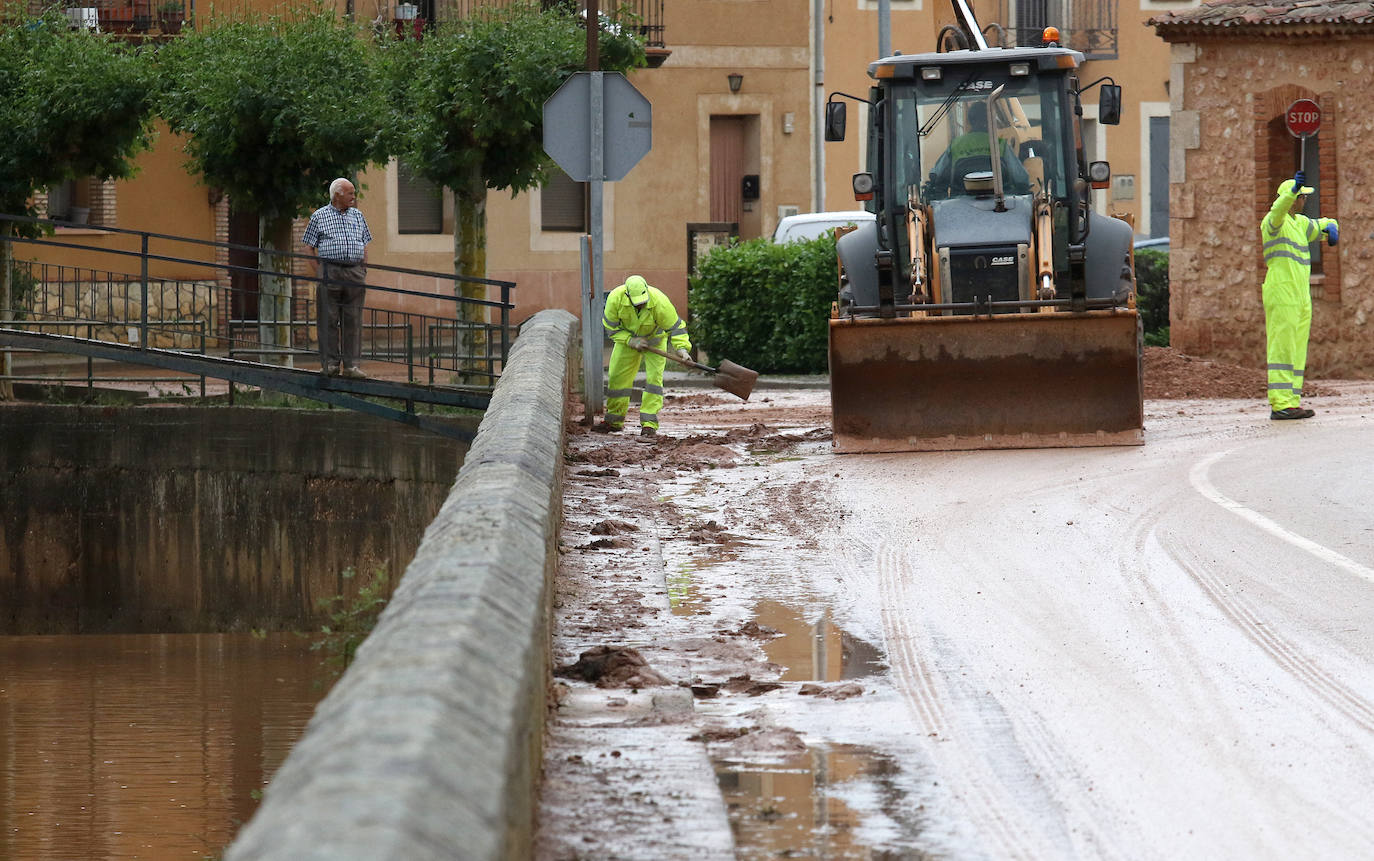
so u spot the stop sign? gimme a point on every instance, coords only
(1303, 118)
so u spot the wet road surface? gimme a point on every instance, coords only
(1143, 652)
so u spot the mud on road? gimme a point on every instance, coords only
(713, 700)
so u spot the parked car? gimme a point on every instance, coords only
(1158, 243)
(811, 225)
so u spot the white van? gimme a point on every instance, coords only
(811, 225)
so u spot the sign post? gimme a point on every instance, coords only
(1304, 119)
(596, 127)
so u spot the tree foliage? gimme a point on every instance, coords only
(74, 104)
(469, 98)
(766, 305)
(274, 109)
(1152, 294)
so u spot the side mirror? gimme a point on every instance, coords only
(834, 121)
(1109, 105)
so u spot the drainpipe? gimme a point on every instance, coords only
(818, 109)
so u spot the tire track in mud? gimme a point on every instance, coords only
(1283, 651)
(978, 787)
(1250, 623)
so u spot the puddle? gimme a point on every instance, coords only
(816, 651)
(835, 802)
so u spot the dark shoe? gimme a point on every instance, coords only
(648, 431)
(1292, 413)
(608, 427)
(330, 370)
(353, 372)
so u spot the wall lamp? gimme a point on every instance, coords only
(736, 81)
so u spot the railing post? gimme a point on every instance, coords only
(143, 318)
(505, 325)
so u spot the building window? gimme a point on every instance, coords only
(419, 203)
(563, 204)
(70, 201)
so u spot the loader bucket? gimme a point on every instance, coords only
(1006, 381)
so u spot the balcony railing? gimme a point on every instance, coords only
(1088, 26)
(136, 17)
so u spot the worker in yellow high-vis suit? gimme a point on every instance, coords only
(1286, 234)
(639, 316)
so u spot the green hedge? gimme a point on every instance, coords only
(765, 305)
(1152, 294)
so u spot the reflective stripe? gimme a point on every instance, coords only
(619, 393)
(645, 418)
(1283, 240)
(1278, 366)
(1277, 255)
(652, 389)
(1276, 386)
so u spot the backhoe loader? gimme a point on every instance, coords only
(987, 305)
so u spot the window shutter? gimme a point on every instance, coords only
(419, 203)
(563, 204)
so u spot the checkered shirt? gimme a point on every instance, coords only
(335, 235)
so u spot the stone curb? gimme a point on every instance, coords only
(430, 745)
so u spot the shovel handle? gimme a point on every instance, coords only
(667, 355)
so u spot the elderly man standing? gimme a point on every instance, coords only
(639, 316)
(1286, 234)
(338, 235)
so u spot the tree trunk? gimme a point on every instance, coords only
(274, 292)
(6, 303)
(470, 259)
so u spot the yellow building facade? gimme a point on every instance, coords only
(737, 96)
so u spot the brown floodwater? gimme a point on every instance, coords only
(144, 746)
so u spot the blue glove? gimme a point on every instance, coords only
(1299, 180)
(1333, 234)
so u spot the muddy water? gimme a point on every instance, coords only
(144, 746)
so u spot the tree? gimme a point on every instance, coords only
(274, 110)
(469, 102)
(75, 104)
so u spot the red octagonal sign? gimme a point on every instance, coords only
(1303, 118)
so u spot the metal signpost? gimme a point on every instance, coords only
(596, 127)
(1304, 119)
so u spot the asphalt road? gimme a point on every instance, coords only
(1153, 652)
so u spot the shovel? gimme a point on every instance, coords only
(735, 379)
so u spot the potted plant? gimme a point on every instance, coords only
(171, 15)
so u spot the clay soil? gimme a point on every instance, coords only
(1170, 374)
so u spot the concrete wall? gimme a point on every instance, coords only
(429, 746)
(130, 519)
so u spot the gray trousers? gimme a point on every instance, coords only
(340, 300)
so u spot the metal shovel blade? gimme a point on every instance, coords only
(735, 379)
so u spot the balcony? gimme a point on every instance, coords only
(412, 16)
(137, 18)
(1088, 26)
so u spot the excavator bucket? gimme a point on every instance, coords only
(943, 383)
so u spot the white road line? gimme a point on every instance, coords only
(1198, 476)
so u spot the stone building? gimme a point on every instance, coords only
(1237, 65)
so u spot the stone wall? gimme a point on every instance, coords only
(179, 312)
(164, 519)
(1229, 152)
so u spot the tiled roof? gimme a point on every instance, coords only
(1267, 17)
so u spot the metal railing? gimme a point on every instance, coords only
(1088, 26)
(195, 310)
